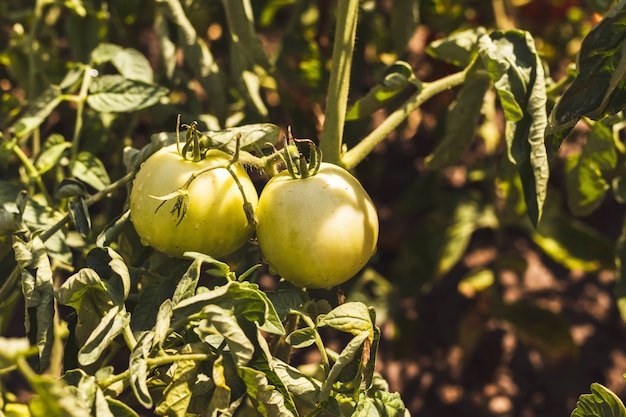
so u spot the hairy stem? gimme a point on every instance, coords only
(355, 155)
(331, 139)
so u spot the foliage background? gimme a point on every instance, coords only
(480, 314)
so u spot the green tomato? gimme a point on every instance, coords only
(215, 222)
(318, 231)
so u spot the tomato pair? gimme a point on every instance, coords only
(315, 232)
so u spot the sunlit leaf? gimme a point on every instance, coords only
(602, 402)
(588, 173)
(51, 155)
(112, 324)
(599, 88)
(517, 73)
(349, 317)
(89, 169)
(457, 49)
(116, 94)
(38, 111)
(269, 401)
(138, 367)
(13, 348)
(301, 338)
(177, 395)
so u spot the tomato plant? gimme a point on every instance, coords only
(467, 128)
(206, 210)
(317, 231)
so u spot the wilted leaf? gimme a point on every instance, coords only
(37, 287)
(390, 404)
(112, 324)
(80, 216)
(602, 402)
(138, 367)
(269, 401)
(461, 122)
(177, 394)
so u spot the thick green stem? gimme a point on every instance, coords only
(331, 139)
(355, 155)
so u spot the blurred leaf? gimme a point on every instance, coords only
(398, 78)
(52, 154)
(89, 169)
(12, 349)
(70, 187)
(457, 49)
(37, 287)
(405, 16)
(602, 402)
(599, 88)
(572, 243)
(536, 326)
(374, 290)
(120, 409)
(620, 273)
(38, 111)
(588, 173)
(461, 122)
(54, 399)
(252, 137)
(476, 281)
(116, 94)
(517, 72)
(390, 404)
(220, 400)
(129, 62)
(351, 317)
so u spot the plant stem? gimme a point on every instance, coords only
(355, 155)
(32, 171)
(318, 340)
(80, 106)
(331, 138)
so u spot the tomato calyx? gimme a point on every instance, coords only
(198, 149)
(297, 165)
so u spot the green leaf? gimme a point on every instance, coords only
(588, 173)
(269, 401)
(217, 320)
(133, 65)
(572, 243)
(302, 338)
(52, 154)
(38, 111)
(365, 407)
(461, 122)
(545, 330)
(304, 389)
(138, 367)
(397, 78)
(37, 287)
(599, 88)
(116, 94)
(12, 349)
(350, 317)
(55, 399)
(112, 324)
(602, 402)
(352, 352)
(390, 404)
(244, 298)
(177, 394)
(251, 137)
(80, 216)
(517, 72)
(89, 169)
(120, 409)
(457, 49)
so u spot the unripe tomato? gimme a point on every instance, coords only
(318, 231)
(215, 222)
